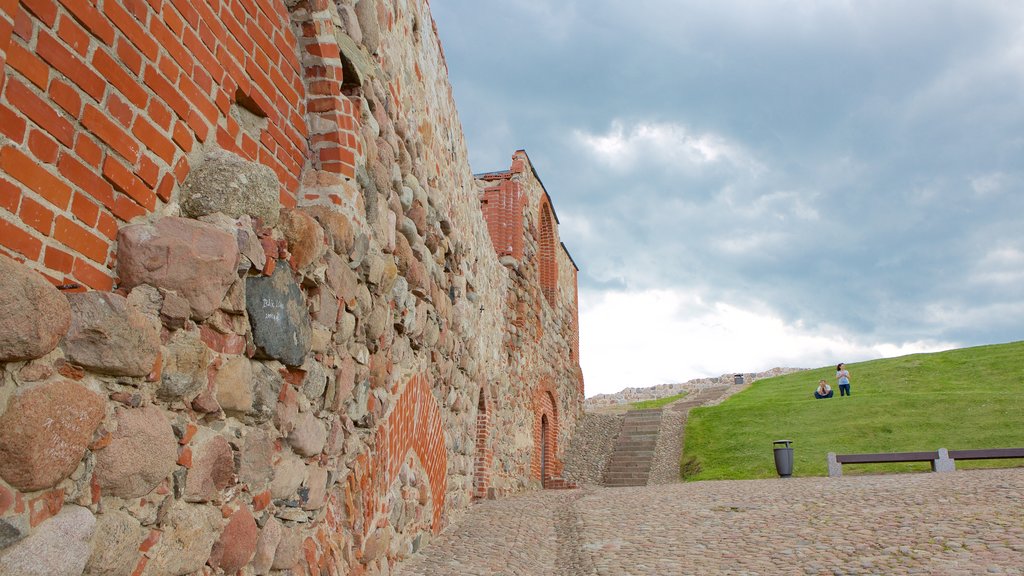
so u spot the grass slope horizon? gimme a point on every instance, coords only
(956, 399)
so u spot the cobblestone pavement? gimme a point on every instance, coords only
(961, 523)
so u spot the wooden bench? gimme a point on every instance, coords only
(942, 460)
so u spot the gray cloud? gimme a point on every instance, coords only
(854, 164)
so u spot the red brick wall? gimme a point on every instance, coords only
(545, 406)
(101, 107)
(547, 263)
(502, 206)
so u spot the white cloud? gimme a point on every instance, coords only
(1002, 266)
(673, 146)
(663, 336)
(991, 184)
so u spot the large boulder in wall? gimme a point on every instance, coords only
(194, 259)
(58, 546)
(110, 336)
(142, 453)
(45, 431)
(227, 183)
(281, 328)
(33, 314)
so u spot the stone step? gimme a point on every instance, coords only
(639, 429)
(624, 483)
(633, 453)
(629, 463)
(633, 469)
(635, 445)
(626, 478)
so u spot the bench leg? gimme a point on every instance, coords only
(944, 462)
(835, 469)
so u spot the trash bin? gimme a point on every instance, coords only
(783, 457)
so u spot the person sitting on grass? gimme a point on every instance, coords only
(823, 390)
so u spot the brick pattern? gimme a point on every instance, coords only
(484, 459)
(574, 341)
(413, 425)
(546, 254)
(545, 433)
(102, 105)
(503, 206)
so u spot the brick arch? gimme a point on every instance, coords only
(547, 261)
(545, 438)
(413, 425)
(484, 456)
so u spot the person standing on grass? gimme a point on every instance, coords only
(843, 379)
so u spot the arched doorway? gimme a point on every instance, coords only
(543, 450)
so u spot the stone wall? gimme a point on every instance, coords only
(285, 339)
(591, 447)
(628, 395)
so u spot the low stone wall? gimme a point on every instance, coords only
(628, 395)
(591, 447)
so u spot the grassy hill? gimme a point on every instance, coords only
(960, 399)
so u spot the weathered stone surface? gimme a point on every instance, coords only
(266, 546)
(289, 549)
(33, 314)
(185, 366)
(195, 259)
(227, 183)
(267, 384)
(237, 543)
(315, 382)
(326, 306)
(366, 15)
(281, 328)
(189, 531)
(175, 310)
(316, 488)
(289, 474)
(109, 336)
(45, 432)
(234, 383)
(12, 529)
(213, 469)
(355, 60)
(376, 544)
(115, 545)
(257, 457)
(287, 410)
(142, 452)
(337, 228)
(305, 237)
(58, 547)
(309, 435)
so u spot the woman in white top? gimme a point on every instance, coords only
(843, 379)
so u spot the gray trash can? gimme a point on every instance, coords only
(783, 457)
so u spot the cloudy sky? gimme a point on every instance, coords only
(747, 184)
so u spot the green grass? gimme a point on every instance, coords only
(960, 399)
(657, 403)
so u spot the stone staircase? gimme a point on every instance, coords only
(630, 463)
